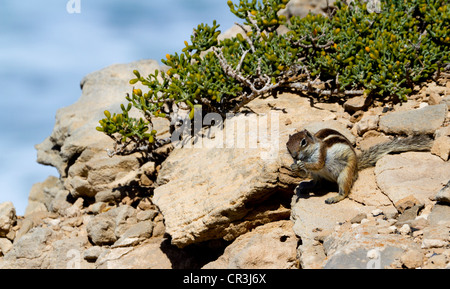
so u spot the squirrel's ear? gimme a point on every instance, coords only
(307, 133)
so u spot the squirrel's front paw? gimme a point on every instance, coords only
(298, 166)
(294, 167)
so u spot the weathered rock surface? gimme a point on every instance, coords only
(312, 217)
(76, 149)
(7, 219)
(402, 176)
(441, 146)
(271, 246)
(363, 247)
(241, 186)
(231, 207)
(419, 121)
(444, 194)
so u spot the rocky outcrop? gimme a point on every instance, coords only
(234, 206)
(243, 188)
(76, 149)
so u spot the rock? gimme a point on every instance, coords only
(401, 176)
(97, 208)
(434, 89)
(135, 234)
(310, 213)
(60, 203)
(30, 251)
(405, 229)
(229, 207)
(148, 255)
(92, 254)
(434, 99)
(437, 261)
(377, 212)
(147, 215)
(94, 172)
(77, 150)
(42, 194)
(441, 147)
(369, 122)
(407, 203)
(365, 190)
(440, 215)
(5, 246)
(7, 218)
(74, 130)
(108, 196)
(441, 144)
(356, 103)
(365, 246)
(409, 214)
(372, 138)
(444, 194)
(106, 228)
(358, 218)
(420, 121)
(367, 252)
(101, 230)
(433, 243)
(75, 209)
(124, 217)
(446, 101)
(412, 259)
(271, 246)
(214, 193)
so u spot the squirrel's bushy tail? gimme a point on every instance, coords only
(369, 157)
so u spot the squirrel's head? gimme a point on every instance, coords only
(299, 142)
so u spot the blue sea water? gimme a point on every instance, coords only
(45, 51)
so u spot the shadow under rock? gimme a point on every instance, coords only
(194, 256)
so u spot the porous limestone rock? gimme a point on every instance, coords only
(417, 174)
(7, 219)
(418, 121)
(76, 149)
(271, 246)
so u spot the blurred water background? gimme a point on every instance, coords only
(45, 51)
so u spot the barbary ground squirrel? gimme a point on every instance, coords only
(329, 155)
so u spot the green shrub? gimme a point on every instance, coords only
(349, 52)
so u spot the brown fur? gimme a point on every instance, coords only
(329, 155)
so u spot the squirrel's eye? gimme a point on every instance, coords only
(303, 143)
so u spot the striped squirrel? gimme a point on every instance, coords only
(329, 155)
